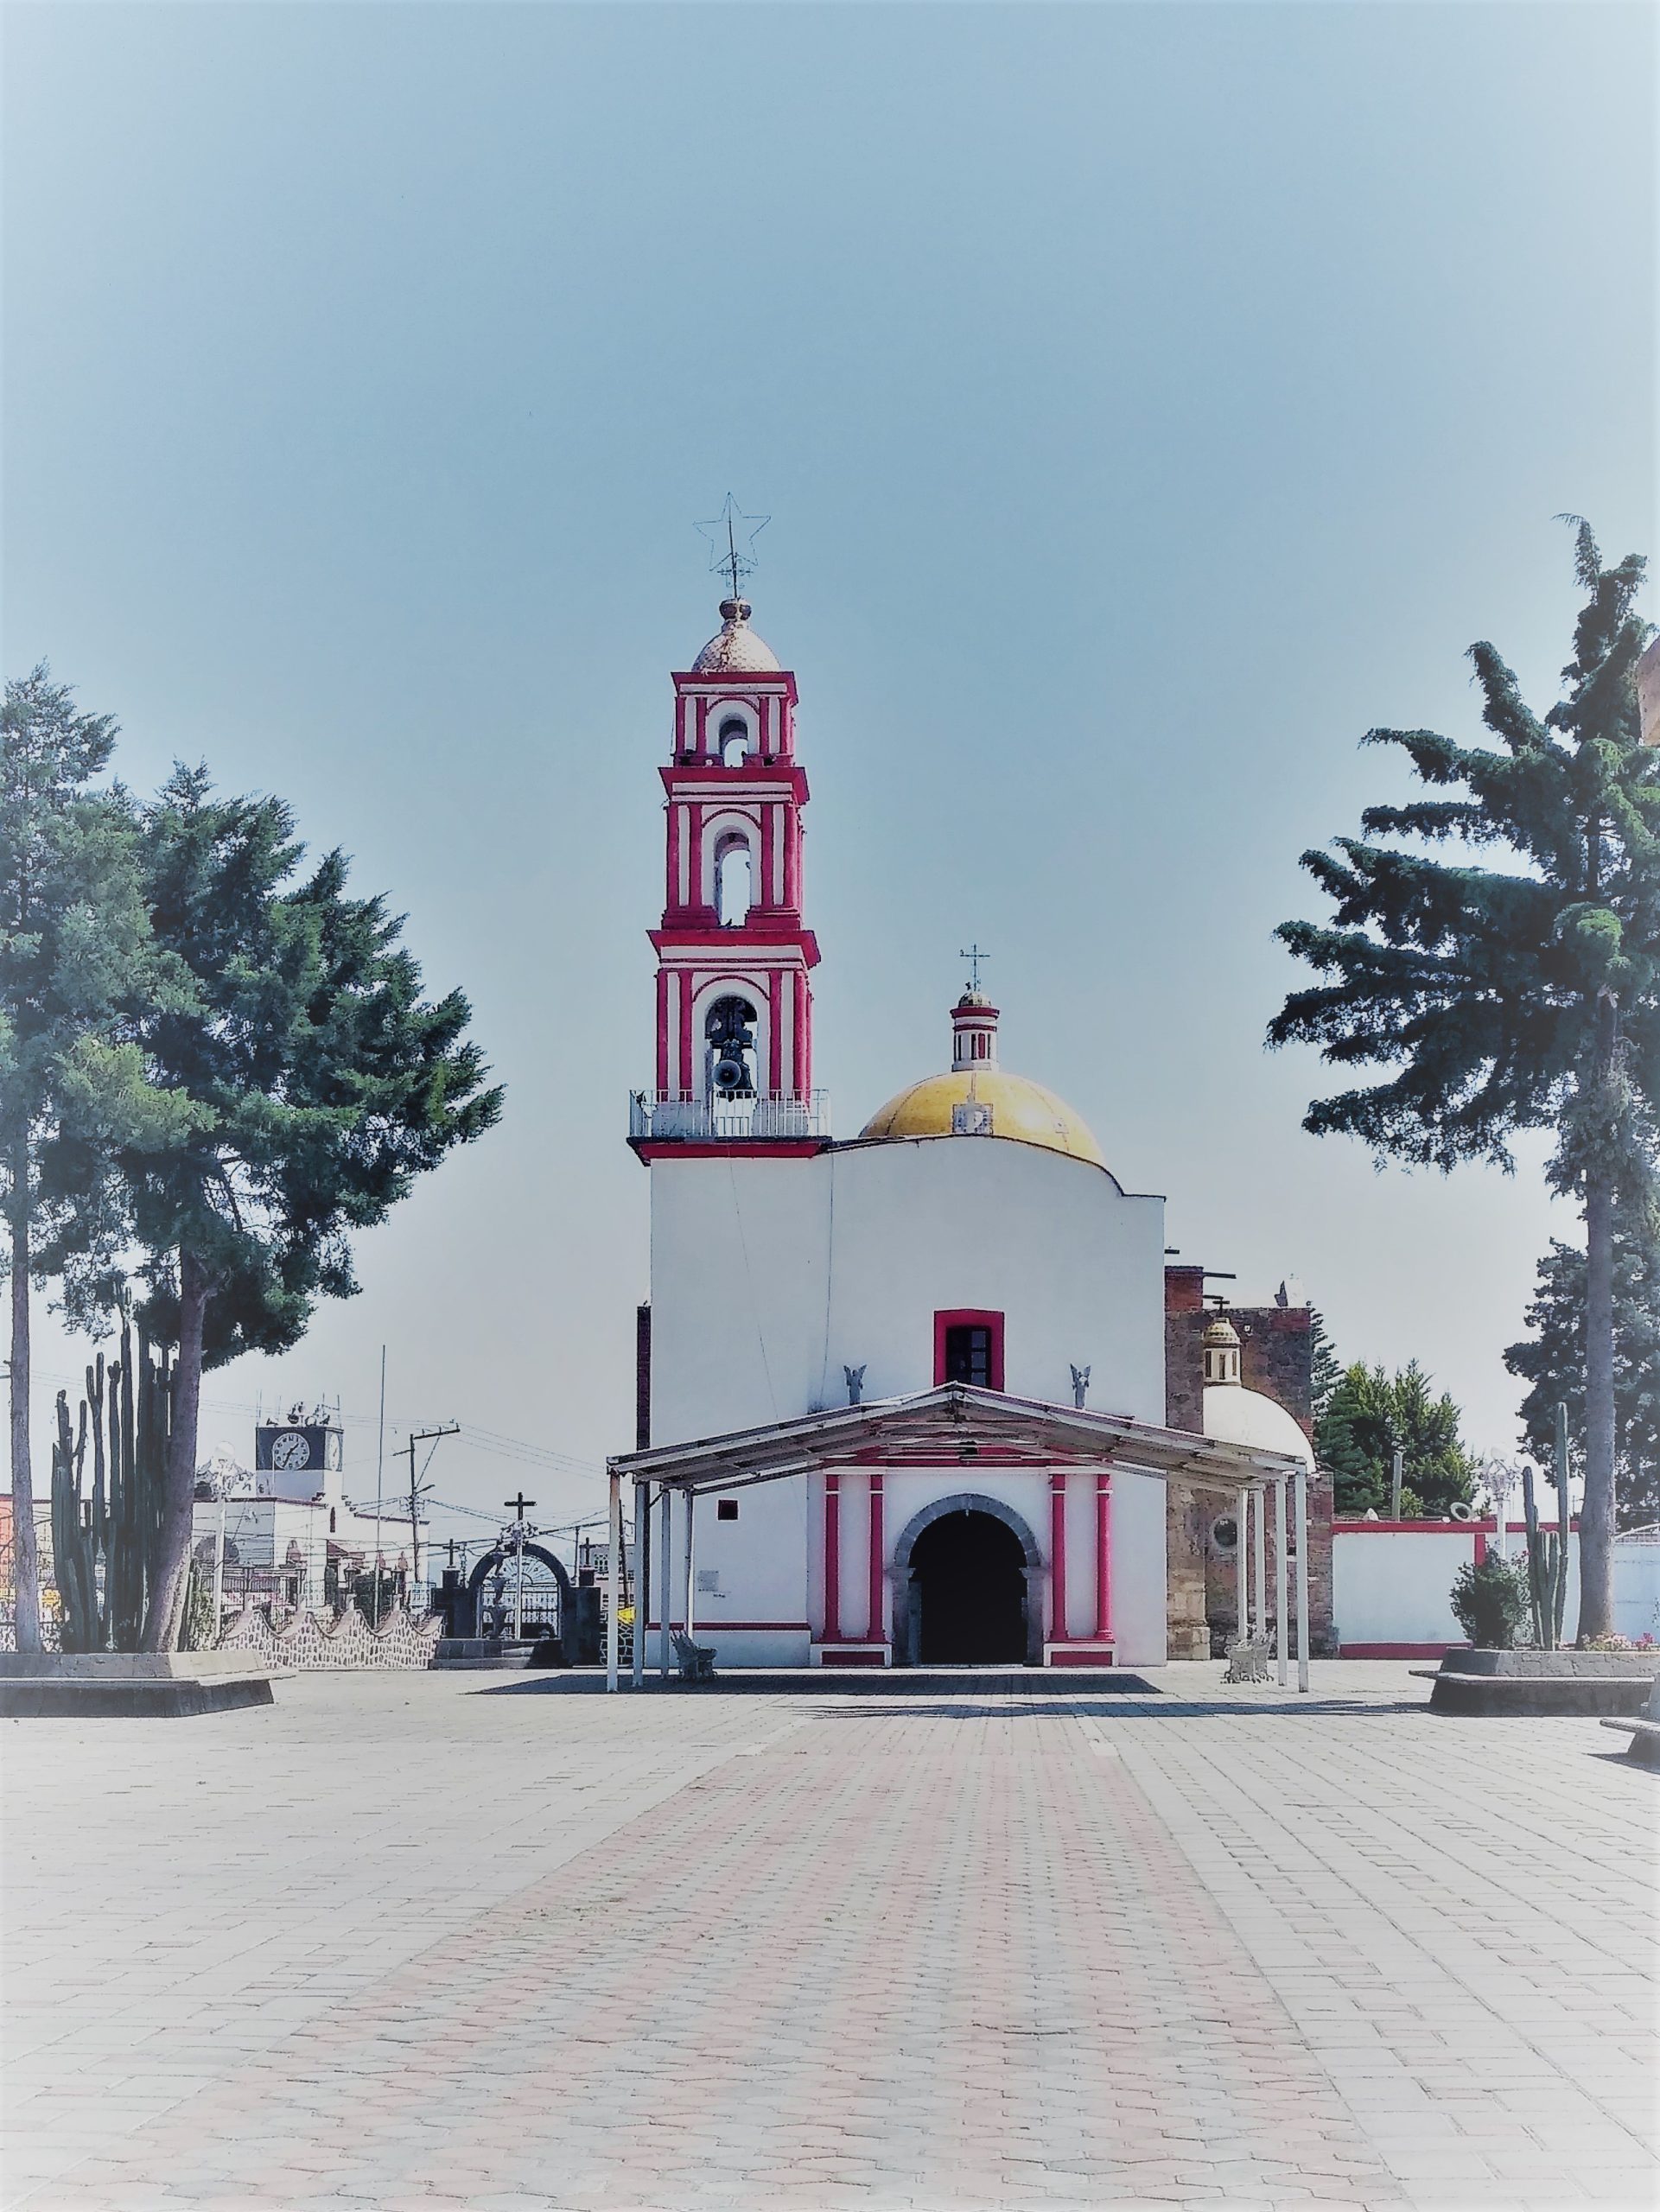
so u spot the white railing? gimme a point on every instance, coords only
(684, 1118)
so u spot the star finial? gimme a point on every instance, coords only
(974, 956)
(731, 536)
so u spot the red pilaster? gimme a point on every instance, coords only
(1057, 1555)
(876, 1629)
(832, 1557)
(1103, 1557)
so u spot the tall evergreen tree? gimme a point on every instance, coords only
(1325, 1368)
(75, 962)
(1367, 1415)
(1519, 997)
(1552, 1361)
(295, 1099)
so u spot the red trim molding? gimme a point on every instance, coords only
(720, 1628)
(970, 1317)
(650, 1148)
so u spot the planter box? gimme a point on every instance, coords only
(1465, 1660)
(1529, 1682)
(110, 1685)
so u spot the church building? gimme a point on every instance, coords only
(927, 1394)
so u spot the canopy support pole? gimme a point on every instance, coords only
(1301, 1480)
(1284, 1656)
(642, 1581)
(665, 1585)
(613, 1577)
(691, 1501)
(1241, 1558)
(1259, 1563)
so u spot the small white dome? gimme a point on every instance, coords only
(1233, 1416)
(736, 649)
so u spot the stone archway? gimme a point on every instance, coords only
(1030, 1570)
(501, 1558)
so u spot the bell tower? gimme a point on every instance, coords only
(734, 1001)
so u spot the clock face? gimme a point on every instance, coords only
(290, 1449)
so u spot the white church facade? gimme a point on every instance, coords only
(903, 1397)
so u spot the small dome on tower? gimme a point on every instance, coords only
(736, 650)
(1220, 1350)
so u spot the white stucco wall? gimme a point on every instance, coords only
(769, 1276)
(1390, 1585)
(1138, 1568)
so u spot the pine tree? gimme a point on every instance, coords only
(1367, 1415)
(75, 962)
(315, 1084)
(1519, 998)
(1552, 1359)
(1326, 1368)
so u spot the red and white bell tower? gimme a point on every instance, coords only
(733, 1001)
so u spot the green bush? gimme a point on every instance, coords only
(1491, 1602)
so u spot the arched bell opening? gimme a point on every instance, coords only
(733, 882)
(732, 741)
(967, 1586)
(729, 1048)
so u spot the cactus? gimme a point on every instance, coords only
(76, 1538)
(118, 1528)
(1564, 1522)
(1544, 1571)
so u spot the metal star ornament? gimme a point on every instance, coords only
(731, 537)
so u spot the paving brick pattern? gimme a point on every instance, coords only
(419, 1941)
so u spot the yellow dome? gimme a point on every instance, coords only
(1022, 1110)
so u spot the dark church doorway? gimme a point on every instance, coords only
(968, 1585)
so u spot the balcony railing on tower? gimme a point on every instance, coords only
(686, 1117)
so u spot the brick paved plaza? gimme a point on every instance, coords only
(437, 1941)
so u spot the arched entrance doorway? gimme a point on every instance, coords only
(966, 1587)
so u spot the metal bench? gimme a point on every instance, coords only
(695, 1661)
(1248, 1658)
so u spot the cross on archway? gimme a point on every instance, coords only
(521, 1505)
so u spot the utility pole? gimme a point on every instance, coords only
(380, 1470)
(418, 1491)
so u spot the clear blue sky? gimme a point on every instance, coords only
(1147, 399)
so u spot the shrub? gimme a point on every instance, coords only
(1491, 1602)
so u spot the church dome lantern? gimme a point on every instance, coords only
(1221, 1353)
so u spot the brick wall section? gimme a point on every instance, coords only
(1276, 1358)
(643, 1376)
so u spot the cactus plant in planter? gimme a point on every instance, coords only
(107, 1542)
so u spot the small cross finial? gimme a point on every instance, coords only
(727, 557)
(974, 956)
(520, 1504)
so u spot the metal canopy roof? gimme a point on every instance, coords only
(952, 1424)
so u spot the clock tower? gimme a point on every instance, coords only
(301, 1457)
